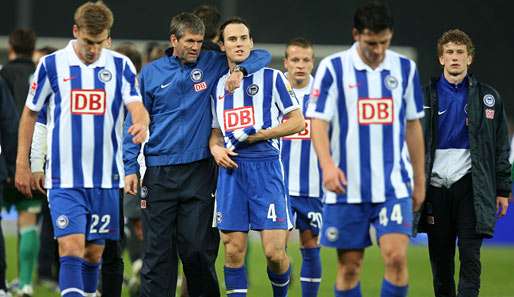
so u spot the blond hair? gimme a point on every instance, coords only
(94, 17)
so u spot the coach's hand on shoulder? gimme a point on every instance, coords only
(222, 156)
(131, 184)
(502, 204)
(234, 81)
(38, 182)
(22, 181)
(334, 179)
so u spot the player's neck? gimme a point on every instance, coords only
(298, 84)
(455, 78)
(231, 65)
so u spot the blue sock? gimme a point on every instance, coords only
(279, 282)
(90, 273)
(235, 281)
(353, 292)
(70, 277)
(310, 276)
(391, 290)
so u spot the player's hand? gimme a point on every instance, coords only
(139, 133)
(418, 196)
(502, 204)
(38, 182)
(222, 157)
(334, 179)
(131, 182)
(234, 81)
(22, 181)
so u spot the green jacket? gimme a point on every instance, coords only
(489, 148)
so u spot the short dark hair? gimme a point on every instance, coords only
(233, 20)
(46, 50)
(374, 16)
(300, 42)
(456, 36)
(23, 42)
(186, 21)
(210, 17)
(94, 18)
(129, 49)
(153, 50)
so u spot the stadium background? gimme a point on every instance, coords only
(327, 23)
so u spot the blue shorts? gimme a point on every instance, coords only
(346, 226)
(307, 213)
(253, 196)
(92, 212)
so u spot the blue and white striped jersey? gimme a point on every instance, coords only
(367, 110)
(262, 100)
(298, 155)
(85, 106)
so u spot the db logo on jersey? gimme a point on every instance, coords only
(376, 111)
(88, 102)
(303, 135)
(238, 118)
(200, 86)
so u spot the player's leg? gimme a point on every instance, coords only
(346, 228)
(308, 220)
(469, 241)
(234, 270)
(232, 219)
(270, 213)
(28, 249)
(349, 267)
(48, 255)
(279, 269)
(103, 225)
(197, 240)
(441, 240)
(159, 216)
(3, 265)
(393, 222)
(69, 209)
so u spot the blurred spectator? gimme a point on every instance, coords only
(153, 50)
(8, 132)
(39, 53)
(210, 17)
(130, 50)
(17, 73)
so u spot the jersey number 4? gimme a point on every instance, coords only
(396, 215)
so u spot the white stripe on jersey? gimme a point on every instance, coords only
(84, 134)
(373, 153)
(302, 170)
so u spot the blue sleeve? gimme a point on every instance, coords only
(130, 149)
(258, 59)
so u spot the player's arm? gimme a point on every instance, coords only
(295, 123)
(37, 155)
(220, 153)
(416, 146)
(26, 130)
(140, 122)
(258, 59)
(333, 177)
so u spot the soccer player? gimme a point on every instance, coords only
(86, 89)
(180, 177)
(301, 167)
(251, 191)
(469, 178)
(371, 99)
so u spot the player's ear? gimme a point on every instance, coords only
(355, 34)
(75, 30)
(173, 40)
(251, 43)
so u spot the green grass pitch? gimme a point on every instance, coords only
(497, 272)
